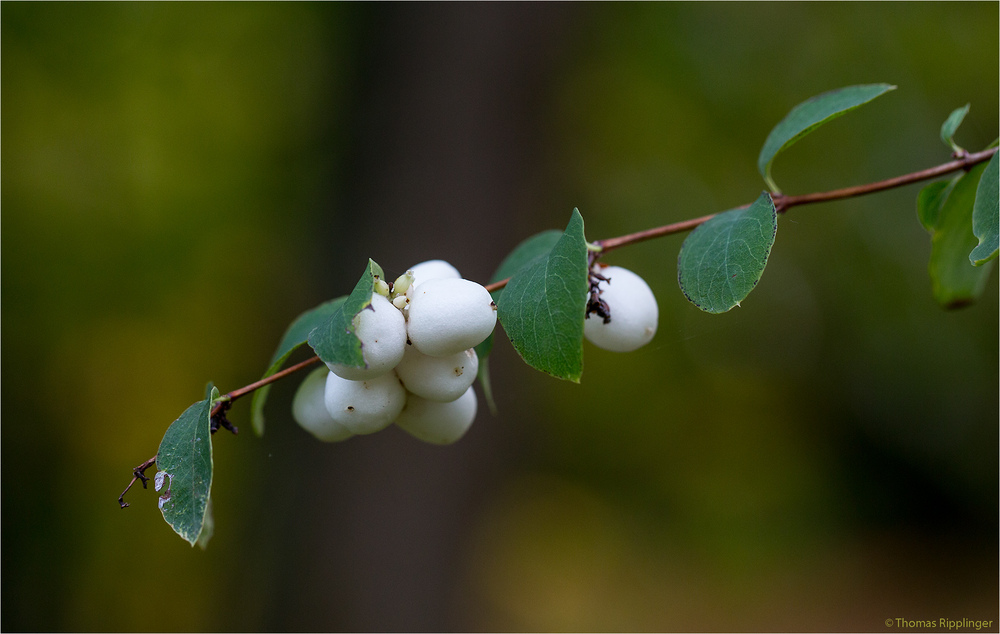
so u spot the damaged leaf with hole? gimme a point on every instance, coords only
(184, 461)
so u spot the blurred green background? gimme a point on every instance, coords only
(179, 181)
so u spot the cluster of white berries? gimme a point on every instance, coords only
(622, 314)
(417, 339)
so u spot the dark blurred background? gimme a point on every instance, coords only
(179, 181)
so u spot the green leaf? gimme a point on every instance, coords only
(334, 341)
(809, 115)
(985, 217)
(208, 528)
(295, 336)
(722, 260)
(483, 374)
(955, 281)
(543, 305)
(951, 124)
(929, 202)
(184, 468)
(527, 250)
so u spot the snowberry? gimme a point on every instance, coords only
(364, 407)
(633, 311)
(447, 316)
(309, 409)
(438, 423)
(382, 331)
(438, 378)
(433, 270)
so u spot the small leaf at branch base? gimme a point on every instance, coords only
(809, 115)
(723, 259)
(542, 307)
(296, 335)
(951, 124)
(334, 341)
(955, 281)
(184, 470)
(985, 216)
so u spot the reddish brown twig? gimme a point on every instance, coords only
(965, 162)
(782, 204)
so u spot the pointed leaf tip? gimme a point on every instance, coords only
(542, 307)
(334, 341)
(809, 115)
(951, 124)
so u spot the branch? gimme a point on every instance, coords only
(649, 234)
(782, 204)
(139, 473)
(226, 399)
(965, 162)
(218, 418)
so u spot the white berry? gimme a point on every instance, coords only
(433, 270)
(438, 423)
(364, 407)
(382, 331)
(447, 316)
(309, 409)
(634, 314)
(438, 378)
